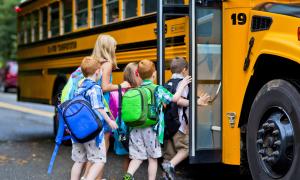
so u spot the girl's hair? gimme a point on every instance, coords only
(130, 74)
(105, 48)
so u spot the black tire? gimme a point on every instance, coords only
(55, 123)
(55, 102)
(274, 154)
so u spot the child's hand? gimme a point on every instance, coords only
(125, 85)
(203, 99)
(187, 80)
(112, 124)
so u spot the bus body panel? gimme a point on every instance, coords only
(279, 41)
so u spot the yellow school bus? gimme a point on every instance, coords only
(244, 53)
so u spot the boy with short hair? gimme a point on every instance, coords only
(144, 143)
(176, 149)
(94, 150)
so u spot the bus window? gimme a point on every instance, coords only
(28, 28)
(54, 19)
(149, 6)
(130, 8)
(209, 55)
(36, 27)
(173, 2)
(44, 23)
(81, 13)
(112, 11)
(21, 29)
(97, 12)
(67, 15)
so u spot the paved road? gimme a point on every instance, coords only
(26, 144)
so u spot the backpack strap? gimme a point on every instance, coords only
(58, 140)
(152, 91)
(120, 104)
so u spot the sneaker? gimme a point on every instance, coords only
(169, 169)
(128, 176)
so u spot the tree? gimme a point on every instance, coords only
(8, 29)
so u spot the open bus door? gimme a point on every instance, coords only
(205, 68)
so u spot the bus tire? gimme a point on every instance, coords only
(273, 132)
(55, 123)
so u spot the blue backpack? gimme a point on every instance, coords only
(78, 116)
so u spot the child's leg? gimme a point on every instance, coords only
(87, 168)
(133, 166)
(179, 157)
(181, 143)
(94, 171)
(152, 168)
(106, 139)
(79, 157)
(126, 163)
(76, 170)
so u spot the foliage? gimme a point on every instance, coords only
(8, 29)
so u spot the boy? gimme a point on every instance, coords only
(143, 142)
(89, 151)
(176, 149)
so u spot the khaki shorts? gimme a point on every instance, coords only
(89, 152)
(180, 141)
(143, 144)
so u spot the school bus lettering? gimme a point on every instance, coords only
(67, 46)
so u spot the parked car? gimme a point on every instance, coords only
(10, 76)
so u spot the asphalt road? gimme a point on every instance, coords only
(26, 144)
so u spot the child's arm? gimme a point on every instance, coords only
(106, 85)
(183, 102)
(187, 80)
(202, 100)
(110, 122)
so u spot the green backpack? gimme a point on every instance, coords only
(138, 107)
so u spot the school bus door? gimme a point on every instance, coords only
(205, 68)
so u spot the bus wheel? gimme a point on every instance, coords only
(273, 131)
(55, 122)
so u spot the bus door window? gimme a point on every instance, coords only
(112, 11)
(44, 23)
(36, 27)
(208, 54)
(28, 28)
(81, 13)
(149, 6)
(97, 12)
(129, 8)
(54, 24)
(67, 15)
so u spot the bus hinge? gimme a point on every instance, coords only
(231, 116)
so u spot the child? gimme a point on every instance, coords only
(89, 151)
(131, 76)
(144, 143)
(176, 149)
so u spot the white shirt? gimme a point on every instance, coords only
(183, 127)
